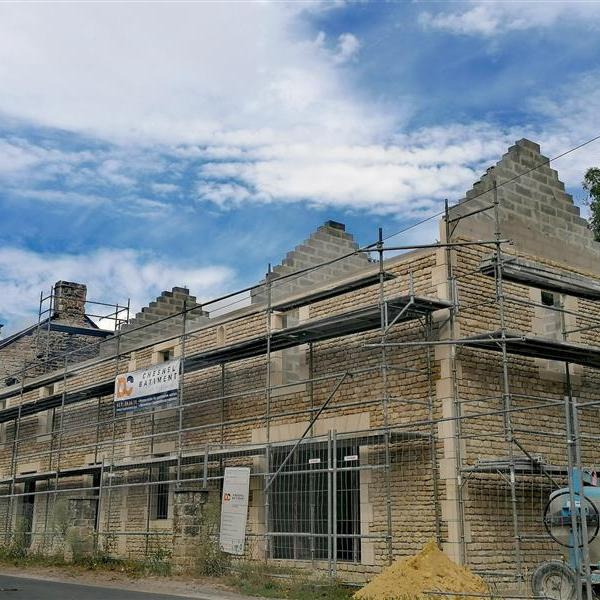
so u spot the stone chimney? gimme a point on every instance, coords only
(69, 300)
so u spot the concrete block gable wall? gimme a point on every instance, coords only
(535, 211)
(167, 304)
(329, 241)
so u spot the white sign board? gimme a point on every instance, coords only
(234, 509)
(157, 385)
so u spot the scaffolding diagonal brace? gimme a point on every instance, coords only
(400, 314)
(308, 428)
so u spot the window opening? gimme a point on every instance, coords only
(289, 365)
(299, 504)
(552, 318)
(159, 505)
(166, 355)
(26, 513)
(549, 299)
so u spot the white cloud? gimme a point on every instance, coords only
(182, 72)
(164, 188)
(227, 194)
(127, 204)
(60, 197)
(143, 207)
(15, 158)
(111, 170)
(496, 17)
(21, 158)
(406, 178)
(413, 172)
(570, 117)
(24, 164)
(347, 48)
(378, 187)
(111, 276)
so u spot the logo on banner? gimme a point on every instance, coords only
(234, 509)
(124, 386)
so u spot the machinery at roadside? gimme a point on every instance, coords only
(572, 519)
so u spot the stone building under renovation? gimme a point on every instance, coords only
(378, 397)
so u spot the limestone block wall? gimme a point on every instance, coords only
(537, 425)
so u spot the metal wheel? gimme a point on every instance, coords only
(558, 524)
(554, 579)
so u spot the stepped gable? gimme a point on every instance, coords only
(165, 305)
(534, 210)
(329, 241)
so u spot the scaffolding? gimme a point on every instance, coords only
(358, 459)
(93, 315)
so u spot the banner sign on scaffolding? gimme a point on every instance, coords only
(234, 509)
(155, 386)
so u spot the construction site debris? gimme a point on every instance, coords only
(428, 571)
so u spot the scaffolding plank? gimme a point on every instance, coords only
(55, 401)
(356, 321)
(367, 438)
(44, 475)
(534, 347)
(540, 276)
(520, 464)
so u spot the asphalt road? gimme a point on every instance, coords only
(17, 588)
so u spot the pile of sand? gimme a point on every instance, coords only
(430, 570)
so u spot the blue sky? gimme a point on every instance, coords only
(146, 145)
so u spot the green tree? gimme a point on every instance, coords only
(591, 184)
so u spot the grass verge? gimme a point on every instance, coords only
(249, 578)
(256, 579)
(96, 561)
